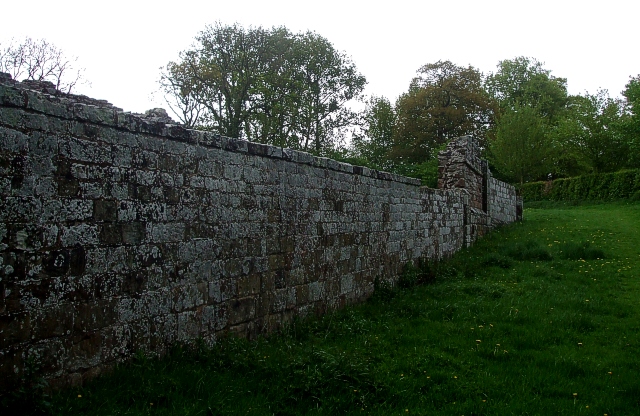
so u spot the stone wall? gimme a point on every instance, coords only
(502, 210)
(122, 232)
(489, 202)
(461, 167)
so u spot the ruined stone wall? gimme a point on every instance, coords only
(122, 232)
(488, 201)
(119, 232)
(502, 208)
(460, 167)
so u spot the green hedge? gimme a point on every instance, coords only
(603, 186)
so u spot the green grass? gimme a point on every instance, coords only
(539, 318)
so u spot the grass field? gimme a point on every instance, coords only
(539, 318)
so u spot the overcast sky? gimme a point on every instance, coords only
(122, 44)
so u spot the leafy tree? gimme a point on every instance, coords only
(520, 150)
(528, 94)
(330, 80)
(39, 60)
(276, 93)
(522, 82)
(591, 130)
(268, 85)
(216, 80)
(631, 119)
(444, 101)
(375, 142)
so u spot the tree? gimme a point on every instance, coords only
(520, 150)
(214, 82)
(443, 102)
(522, 82)
(527, 93)
(375, 142)
(276, 93)
(39, 60)
(592, 131)
(631, 120)
(180, 86)
(268, 85)
(326, 80)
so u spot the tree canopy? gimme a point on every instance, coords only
(267, 85)
(591, 131)
(631, 119)
(520, 149)
(531, 101)
(294, 90)
(523, 81)
(443, 102)
(372, 147)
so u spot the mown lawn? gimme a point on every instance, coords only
(539, 318)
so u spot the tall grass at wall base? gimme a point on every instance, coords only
(539, 317)
(30, 396)
(603, 186)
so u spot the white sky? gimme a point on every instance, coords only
(122, 44)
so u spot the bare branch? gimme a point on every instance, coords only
(39, 60)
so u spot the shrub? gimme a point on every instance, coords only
(583, 251)
(382, 290)
(426, 271)
(30, 396)
(496, 260)
(528, 251)
(603, 186)
(411, 276)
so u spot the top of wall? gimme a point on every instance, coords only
(43, 98)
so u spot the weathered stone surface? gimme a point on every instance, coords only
(121, 232)
(490, 202)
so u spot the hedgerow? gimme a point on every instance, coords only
(624, 184)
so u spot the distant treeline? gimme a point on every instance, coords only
(295, 90)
